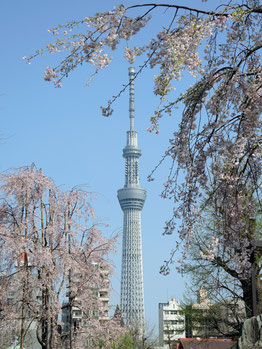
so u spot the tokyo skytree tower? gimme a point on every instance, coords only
(131, 199)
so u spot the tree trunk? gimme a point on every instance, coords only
(45, 318)
(252, 289)
(247, 296)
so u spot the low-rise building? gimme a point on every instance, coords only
(197, 322)
(78, 315)
(218, 320)
(203, 319)
(171, 323)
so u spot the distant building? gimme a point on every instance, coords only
(219, 320)
(227, 317)
(177, 321)
(171, 323)
(79, 315)
(197, 322)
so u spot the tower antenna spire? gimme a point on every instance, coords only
(131, 71)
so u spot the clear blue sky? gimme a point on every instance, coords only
(62, 130)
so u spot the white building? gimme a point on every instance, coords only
(171, 323)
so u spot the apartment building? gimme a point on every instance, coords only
(171, 323)
(78, 315)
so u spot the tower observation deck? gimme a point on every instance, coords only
(131, 199)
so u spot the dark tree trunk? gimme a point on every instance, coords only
(247, 296)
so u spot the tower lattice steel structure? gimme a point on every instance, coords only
(131, 199)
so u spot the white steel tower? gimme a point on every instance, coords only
(131, 199)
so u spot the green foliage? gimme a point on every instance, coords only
(126, 342)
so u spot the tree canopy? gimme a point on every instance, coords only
(50, 251)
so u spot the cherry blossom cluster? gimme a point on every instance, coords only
(212, 249)
(104, 31)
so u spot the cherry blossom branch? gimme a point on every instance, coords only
(218, 261)
(178, 7)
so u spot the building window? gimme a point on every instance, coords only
(173, 312)
(76, 324)
(103, 294)
(169, 332)
(77, 312)
(171, 322)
